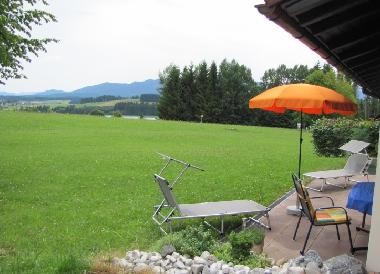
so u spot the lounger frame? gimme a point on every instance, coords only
(352, 168)
(173, 210)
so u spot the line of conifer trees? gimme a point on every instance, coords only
(220, 94)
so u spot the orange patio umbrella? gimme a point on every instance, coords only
(305, 98)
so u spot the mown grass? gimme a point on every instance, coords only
(79, 186)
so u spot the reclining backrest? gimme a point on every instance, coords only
(357, 163)
(355, 146)
(166, 191)
(303, 197)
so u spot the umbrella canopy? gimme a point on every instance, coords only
(305, 98)
(310, 99)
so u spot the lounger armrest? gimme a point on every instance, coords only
(329, 207)
(320, 197)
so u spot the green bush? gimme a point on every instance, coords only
(223, 251)
(330, 134)
(97, 112)
(117, 114)
(257, 261)
(173, 239)
(193, 240)
(367, 131)
(241, 242)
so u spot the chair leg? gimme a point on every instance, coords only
(337, 232)
(298, 224)
(267, 216)
(170, 227)
(350, 238)
(307, 238)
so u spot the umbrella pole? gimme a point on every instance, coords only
(300, 152)
(295, 210)
(299, 162)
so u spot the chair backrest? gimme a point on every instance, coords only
(303, 197)
(166, 191)
(357, 163)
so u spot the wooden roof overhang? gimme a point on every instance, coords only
(346, 33)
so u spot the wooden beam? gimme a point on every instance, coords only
(325, 9)
(344, 20)
(351, 37)
(359, 51)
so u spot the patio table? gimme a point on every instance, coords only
(360, 198)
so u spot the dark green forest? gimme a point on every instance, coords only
(220, 94)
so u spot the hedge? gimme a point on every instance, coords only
(330, 134)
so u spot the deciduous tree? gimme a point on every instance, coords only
(17, 19)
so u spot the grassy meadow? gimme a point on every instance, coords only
(108, 103)
(78, 186)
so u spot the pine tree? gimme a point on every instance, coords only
(188, 93)
(214, 111)
(202, 99)
(169, 105)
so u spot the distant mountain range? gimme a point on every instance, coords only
(115, 89)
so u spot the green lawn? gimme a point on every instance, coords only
(82, 185)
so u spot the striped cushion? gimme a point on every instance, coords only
(331, 215)
(308, 201)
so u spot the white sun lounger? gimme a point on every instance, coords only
(355, 146)
(357, 164)
(220, 209)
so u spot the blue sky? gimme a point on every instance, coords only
(133, 40)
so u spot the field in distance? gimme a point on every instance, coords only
(109, 103)
(79, 186)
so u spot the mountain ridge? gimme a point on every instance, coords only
(115, 89)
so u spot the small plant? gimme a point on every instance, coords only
(173, 239)
(117, 114)
(72, 265)
(257, 260)
(242, 242)
(193, 240)
(223, 251)
(97, 112)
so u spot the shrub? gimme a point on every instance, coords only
(241, 242)
(330, 134)
(223, 251)
(367, 131)
(193, 240)
(97, 112)
(255, 261)
(173, 239)
(117, 114)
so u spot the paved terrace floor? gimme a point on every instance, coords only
(280, 245)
